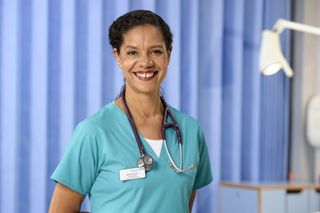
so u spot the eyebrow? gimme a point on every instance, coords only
(134, 47)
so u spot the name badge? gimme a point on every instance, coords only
(133, 173)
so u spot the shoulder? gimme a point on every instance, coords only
(90, 135)
(102, 119)
(97, 125)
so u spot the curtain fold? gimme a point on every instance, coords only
(275, 105)
(9, 104)
(56, 68)
(210, 93)
(232, 84)
(250, 148)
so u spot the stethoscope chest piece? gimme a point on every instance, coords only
(145, 161)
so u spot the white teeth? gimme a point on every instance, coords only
(145, 75)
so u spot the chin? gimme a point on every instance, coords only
(147, 90)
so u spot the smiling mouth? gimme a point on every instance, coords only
(145, 76)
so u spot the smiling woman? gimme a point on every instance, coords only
(143, 58)
(116, 155)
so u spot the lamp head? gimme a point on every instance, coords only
(271, 57)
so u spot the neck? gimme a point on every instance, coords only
(144, 105)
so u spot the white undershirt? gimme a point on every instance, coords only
(156, 145)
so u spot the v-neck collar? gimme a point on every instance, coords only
(145, 144)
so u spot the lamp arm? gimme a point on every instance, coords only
(282, 24)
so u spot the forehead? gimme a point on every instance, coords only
(143, 35)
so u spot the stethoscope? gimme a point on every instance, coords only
(146, 160)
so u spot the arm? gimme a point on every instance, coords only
(65, 200)
(193, 196)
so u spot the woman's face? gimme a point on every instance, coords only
(143, 59)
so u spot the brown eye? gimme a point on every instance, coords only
(156, 52)
(132, 53)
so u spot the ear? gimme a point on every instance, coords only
(117, 57)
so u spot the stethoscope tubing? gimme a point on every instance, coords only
(131, 121)
(165, 125)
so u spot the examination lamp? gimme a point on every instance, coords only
(271, 56)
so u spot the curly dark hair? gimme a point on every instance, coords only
(137, 18)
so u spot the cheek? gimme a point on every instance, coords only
(126, 64)
(164, 64)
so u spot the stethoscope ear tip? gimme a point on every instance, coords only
(173, 167)
(192, 166)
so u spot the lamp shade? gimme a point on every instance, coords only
(271, 56)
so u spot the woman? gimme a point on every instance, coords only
(103, 159)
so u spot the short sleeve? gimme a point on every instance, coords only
(204, 175)
(81, 161)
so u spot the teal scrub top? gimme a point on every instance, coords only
(104, 143)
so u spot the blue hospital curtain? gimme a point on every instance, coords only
(56, 68)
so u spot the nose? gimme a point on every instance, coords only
(145, 60)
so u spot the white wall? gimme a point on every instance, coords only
(306, 83)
